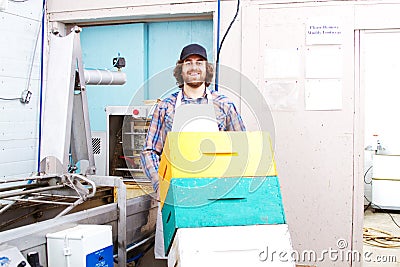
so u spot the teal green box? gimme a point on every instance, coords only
(203, 202)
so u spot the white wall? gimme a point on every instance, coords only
(20, 31)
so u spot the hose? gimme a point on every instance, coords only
(379, 238)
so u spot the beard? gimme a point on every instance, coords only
(194, 79)
(195, 84)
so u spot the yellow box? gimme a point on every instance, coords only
(215, 154)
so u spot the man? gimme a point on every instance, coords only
(193, 74)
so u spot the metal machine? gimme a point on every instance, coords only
(57, 197)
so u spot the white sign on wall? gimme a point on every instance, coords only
(321, 30)
(323, 94)
(324, 62)
(282, 63)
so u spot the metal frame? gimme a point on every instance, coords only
(48, 184)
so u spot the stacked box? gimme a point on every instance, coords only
(218, 179)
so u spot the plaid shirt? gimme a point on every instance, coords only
(227, 116)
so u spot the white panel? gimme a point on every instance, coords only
(282, 63)
(324, 62)
(24, 113)
(17, 154)
(10, 144)
(28, 26)
(15, 131)
(26, 34)
(17, 169)
(31, 9)
(20, 67)
(323, 94)
(57, 107)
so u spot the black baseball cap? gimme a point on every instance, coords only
(193, 49)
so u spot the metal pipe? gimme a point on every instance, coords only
(9, 205)
(73, 205)
(139, 243)
(104, 77)
(136, 245)
(15, 187)
(13, 194)
(53, 195)
(42, 201)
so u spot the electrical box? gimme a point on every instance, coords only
(81, 246)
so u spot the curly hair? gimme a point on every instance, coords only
(179, 78)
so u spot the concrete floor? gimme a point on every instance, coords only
(376, 256)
